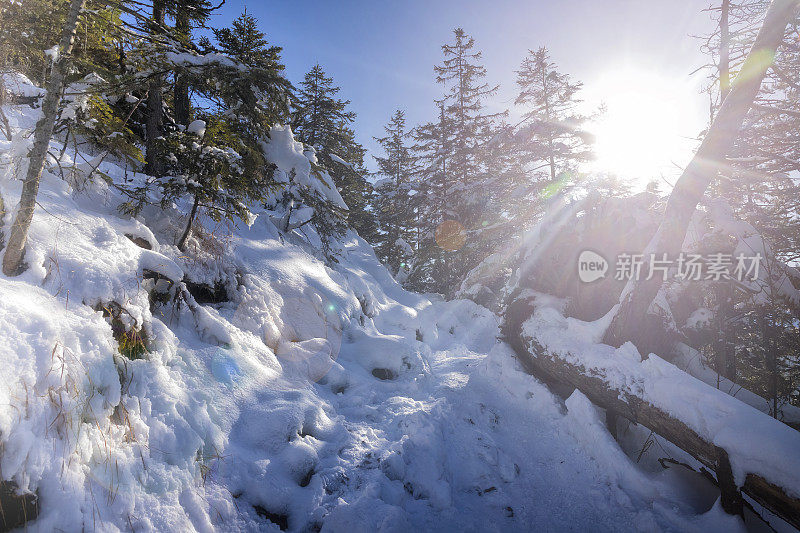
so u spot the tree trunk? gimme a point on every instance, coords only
(12, 260)
(631, 321)
(724, 51)
(729, 335)
(724, 355)
(2, 222)
(155, 107)
(601, 390)
(770, 343)
(188, 230)
(3, 98)
(181, 91)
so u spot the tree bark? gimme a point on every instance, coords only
(2, 222)
(12, 259)
(155, 106)
(631, 321)
(181, 90)
(723, 345)
(188, 230)
(724, 50)
(770, 341)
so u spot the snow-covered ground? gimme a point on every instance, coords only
(312, 398)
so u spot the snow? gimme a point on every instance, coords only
(691, 361)
(197, 127)
(714, 415)
(294, 162)
(326, 396)
(699, 318)
(341, 161)
(19, 84)
(403, 245)
(53, 53)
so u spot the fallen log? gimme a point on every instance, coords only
(627, 394)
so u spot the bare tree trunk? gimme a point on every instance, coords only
(12, 260)
(769, 345)
(188, 230)
(2, 222)
(155, 106)
(3, 98)
(728, 334)
(724, 353)
(631, 319)
(771, 353)
(724, 51)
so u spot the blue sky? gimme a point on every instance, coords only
(382, 53)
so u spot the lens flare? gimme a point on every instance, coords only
(451, 235)
(756, 64)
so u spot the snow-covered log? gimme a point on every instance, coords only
(703, 421)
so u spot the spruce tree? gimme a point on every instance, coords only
(255, 93)
(552, 131)
(431, 149)
(323, 121)
(394, 190)
(219, 161)
(458, 193)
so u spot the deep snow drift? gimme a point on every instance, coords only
(311, 398)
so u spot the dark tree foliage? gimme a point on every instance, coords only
(395, 203)
(458, 187)
(324, 122)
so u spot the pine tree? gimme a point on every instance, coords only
(394, 203)
(200, 164)
(27, 28)
(242, 94)
(154, 125)
(552, 135)
(257, 95)
(458, 187)
(322, 121)
(431, 150)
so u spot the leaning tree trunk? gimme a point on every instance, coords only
(631, 321)
(724, 50)
(188, 230)
(12, 260)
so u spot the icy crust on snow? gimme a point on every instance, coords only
(755, 443)
(326, 398)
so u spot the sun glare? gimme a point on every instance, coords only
(649, 125)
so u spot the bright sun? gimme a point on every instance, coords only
(648, 127)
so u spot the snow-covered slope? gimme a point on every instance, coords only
(310, 398)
